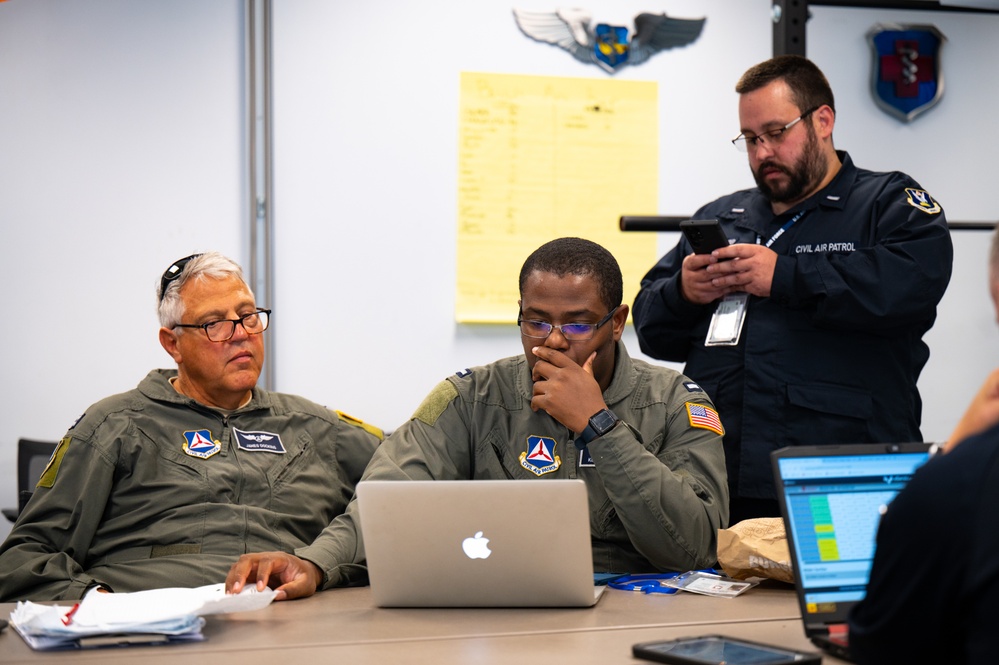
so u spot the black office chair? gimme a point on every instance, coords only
(32, 456)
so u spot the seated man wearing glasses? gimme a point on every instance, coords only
(808, 327)
(168, 484)
(646, 440)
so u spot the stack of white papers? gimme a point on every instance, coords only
(157, 616)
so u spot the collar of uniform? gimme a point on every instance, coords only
(157, 386)
(759, 218)
(835, 194)
(623, 381)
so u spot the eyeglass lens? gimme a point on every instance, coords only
(220, 331)
(571, 331)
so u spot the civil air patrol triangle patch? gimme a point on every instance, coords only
(200, 444)
(540, 457)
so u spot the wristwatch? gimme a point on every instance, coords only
(600, 423)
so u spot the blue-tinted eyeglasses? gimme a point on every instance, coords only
(571, 331)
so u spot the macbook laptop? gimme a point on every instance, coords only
(477, 543)
(832, 498)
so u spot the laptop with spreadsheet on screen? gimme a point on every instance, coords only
(831, 499)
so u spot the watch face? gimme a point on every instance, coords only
(604, 421)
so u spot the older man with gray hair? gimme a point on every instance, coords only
(169, 483)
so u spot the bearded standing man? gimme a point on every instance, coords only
(808, 327)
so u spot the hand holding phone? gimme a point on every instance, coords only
(704, 235)
(721, 650)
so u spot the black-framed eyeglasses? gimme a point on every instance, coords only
(222, 330)
(571, 331)
(173, 272)
(772, 138)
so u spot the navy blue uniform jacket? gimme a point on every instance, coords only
(833, 355)
(932, 594)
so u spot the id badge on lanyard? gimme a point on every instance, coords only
(726, 324)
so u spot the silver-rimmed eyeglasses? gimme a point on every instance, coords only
(222, 330)
(574, 332)
(772, 138)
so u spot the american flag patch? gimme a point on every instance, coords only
(704, 417)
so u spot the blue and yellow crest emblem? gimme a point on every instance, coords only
(540, 457)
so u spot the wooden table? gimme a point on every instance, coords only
(342, 626)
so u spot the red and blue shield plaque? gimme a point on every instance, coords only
(906, 75)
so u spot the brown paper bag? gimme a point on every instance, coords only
(755, 548)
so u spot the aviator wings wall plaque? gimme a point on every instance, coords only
(607, 45)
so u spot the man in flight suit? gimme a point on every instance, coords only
(645, 440)
(808, 327)
(168, 484)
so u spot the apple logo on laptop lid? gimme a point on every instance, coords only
(476, 547)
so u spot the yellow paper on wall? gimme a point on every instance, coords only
(541, 158)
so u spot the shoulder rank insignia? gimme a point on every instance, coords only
(540, 457)
(704, 417)
(199, 443)
(357, 422)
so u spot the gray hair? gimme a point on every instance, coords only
(208, 265)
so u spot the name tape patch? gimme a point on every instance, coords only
(259, 442)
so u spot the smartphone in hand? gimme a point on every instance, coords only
(704, 235)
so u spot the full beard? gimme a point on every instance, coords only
(802, 175)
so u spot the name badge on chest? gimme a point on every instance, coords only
(259, 442)
(726, 323)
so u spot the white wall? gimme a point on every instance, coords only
(121, 150)
(366, 131)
